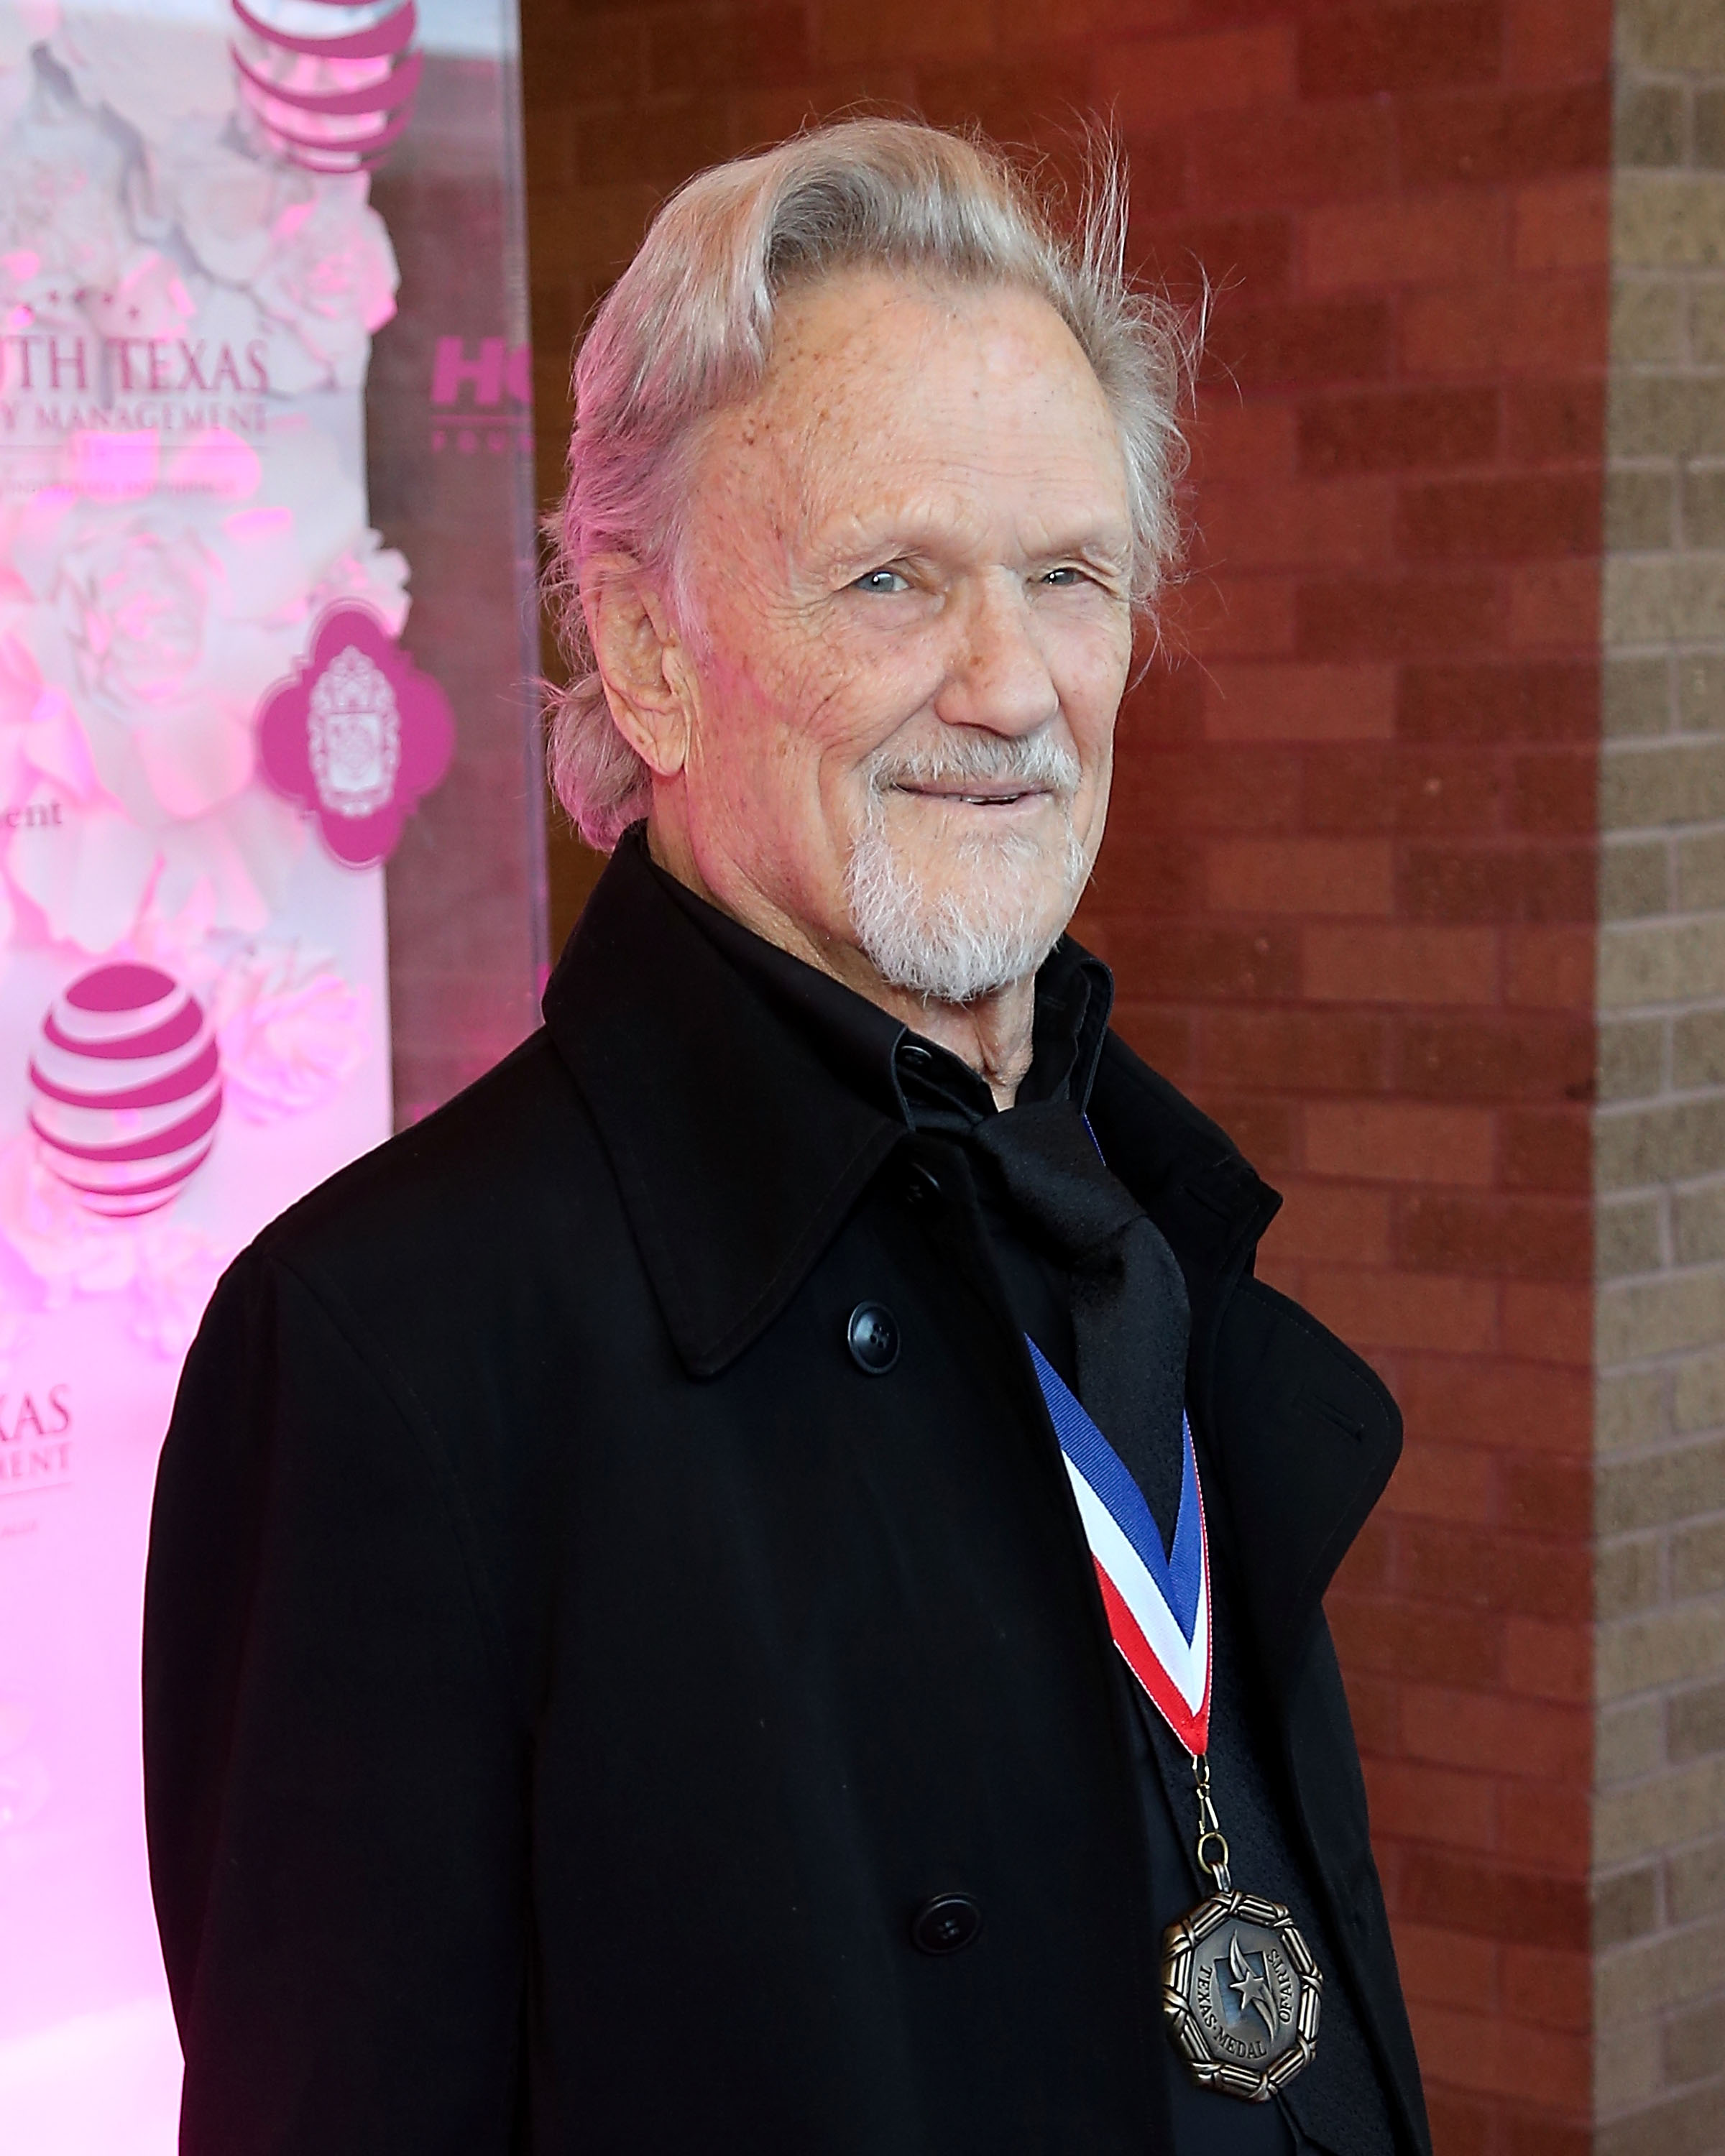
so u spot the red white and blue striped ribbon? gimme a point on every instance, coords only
(1157, 1601)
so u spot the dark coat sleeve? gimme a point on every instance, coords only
(334, 1767)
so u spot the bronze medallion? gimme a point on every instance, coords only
(1241, 1993)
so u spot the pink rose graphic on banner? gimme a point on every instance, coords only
(357, 737)
(126, 1089)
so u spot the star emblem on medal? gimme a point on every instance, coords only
(1250, 1985)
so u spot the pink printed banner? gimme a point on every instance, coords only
(210, 739)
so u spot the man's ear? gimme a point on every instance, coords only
(641, 659)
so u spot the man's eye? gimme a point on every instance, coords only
(882, 580)
(1064, 576)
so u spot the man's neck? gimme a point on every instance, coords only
(994, 1034)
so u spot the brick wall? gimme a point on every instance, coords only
(1659, 1153)
(1350, 887)
(1351, 895)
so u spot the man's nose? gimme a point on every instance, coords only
(998, 675)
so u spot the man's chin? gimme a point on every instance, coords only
(967, 922)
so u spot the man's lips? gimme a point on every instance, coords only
(975, 796)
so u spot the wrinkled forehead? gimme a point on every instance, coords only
(890, 396)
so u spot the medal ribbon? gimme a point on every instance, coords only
(1157, 1601)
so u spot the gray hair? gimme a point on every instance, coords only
(688, 328)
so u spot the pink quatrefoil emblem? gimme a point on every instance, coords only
(357, 737)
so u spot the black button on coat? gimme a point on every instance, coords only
(567, 1678)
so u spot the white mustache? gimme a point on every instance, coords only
(1039, 761)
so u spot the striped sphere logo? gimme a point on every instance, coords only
(332, 97)
(126, 1087)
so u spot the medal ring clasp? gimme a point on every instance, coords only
(1213, 1857)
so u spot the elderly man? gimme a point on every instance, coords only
(753, 1584)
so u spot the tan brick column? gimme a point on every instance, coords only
(1658, 1822)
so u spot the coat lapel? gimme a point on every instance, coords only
(737, 1154)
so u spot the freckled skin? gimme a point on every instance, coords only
(919, 521)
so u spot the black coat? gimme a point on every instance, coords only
(567, 1672)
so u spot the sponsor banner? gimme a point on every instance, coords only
(210, 741)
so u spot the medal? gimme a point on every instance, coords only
(1240, 1990)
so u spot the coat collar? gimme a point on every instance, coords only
(738, 1148)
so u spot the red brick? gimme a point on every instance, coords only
(1252, 253)
(1331, 1220)
(1307, 877)
(659, 143)
(1365, 1570)
(1539, 324)
(1158, 176)
(1554, 603)
(1401, 964)
(1352, 51)
(1446, 1967)
(1295, 153)
(1549, 1151)
(1527, 701)
(853, 32)
(1473, 520)
(1518, 1737)
(1262, 1129)
(1519, 1907)
(1430, 1804)
(709, 48)
(1233, 440)
(1263, 347)
(1400, 1142)
(1548, 1661)
(1460, 2125)
(1147, 871)
(1269, 702)
(1503, 1238)
(1013, 102)
(1402, 240)
(1384, 618)
(1147, 85)
(1235, 613)
(1444, 1482)
(1397, 430)
(1421, 1643)
(1548, 1324)
(1199, 961)
(1499, 1058)
(1564, 225)
(1495, 135)
(1553, 969)
(1028, 21)
(1514, 1575)
(1295, 1051)
(1375, 1705)
(1400, 788)
(1346, 522)
(1556, 795)
(1558, 40)
(1387, 1310)
(1503, 2058)
(607, 49)
(1166, 704)
(1202, 790)
(1548, 421)
(1549, 1985)
(1554, 1831)
(1506, 1404)
(1499, 883)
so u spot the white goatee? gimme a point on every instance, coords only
(1000, 910)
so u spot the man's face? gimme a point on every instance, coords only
(908, 562)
